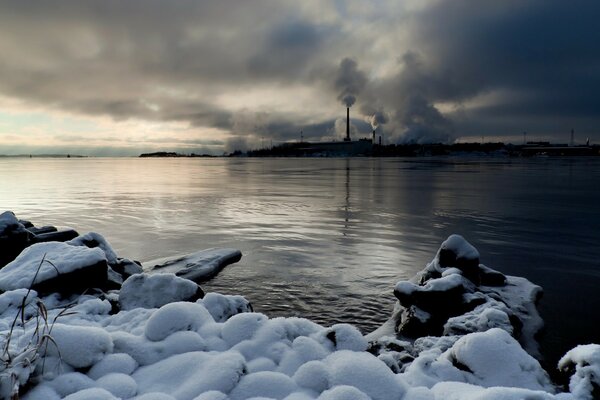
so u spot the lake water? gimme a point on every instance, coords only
(327, 239)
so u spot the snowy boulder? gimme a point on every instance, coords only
(186, 376)
(154, 291)
(366, 373)
(79, 346)
(198, 267)
(222, 307)
(583, 364)
(427, 307)
(175, 317)
(95, 240)
(56, 267)
(13, 237)
(456, 252)
(491, 358)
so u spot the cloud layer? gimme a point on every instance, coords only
(201, 74)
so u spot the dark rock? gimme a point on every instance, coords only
(490, 277)
(126, 267)
(416, 323)
(74, 282)
(448, 301)
(43, 229)
(59, 236)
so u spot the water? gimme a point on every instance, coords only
(327, 239)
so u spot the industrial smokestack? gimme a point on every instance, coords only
(347, 124)
(373, 140)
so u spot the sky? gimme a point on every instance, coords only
(113, 78)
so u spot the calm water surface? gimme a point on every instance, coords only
(328, 238)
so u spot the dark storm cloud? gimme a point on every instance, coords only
(464, 67)
(542, 55)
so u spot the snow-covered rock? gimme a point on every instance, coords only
(156, 347)
(583, 362)
(154, 291)
(198, 267)
(56, 267)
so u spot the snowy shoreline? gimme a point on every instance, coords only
(78, 322)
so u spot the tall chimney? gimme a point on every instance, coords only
(347, 124)
(373, 140)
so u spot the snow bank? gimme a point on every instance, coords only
(157, 347)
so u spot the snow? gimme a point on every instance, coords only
(9, 222)
(153, 291)
(459, 246)
(586, 361)
(79, 346)
(59, 258)
(159, 347)
(93, 240)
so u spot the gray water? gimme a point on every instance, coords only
(327, 239)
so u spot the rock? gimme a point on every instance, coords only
(95, 240)
(490, 277)
(55, 267)
(14, 237)
(43, 229)
(127, 268)
(59, 236)
(198, 267)
(456, 252)
(443, 295)
(154, 291)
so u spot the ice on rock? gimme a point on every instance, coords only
(186, 376)
(154, 291)
(79, 346)
(120, 385)
(263, 384)
(116, 362)
(583, 362)
(176, 317)
(60, 259)
(222, 307)
(96, 240)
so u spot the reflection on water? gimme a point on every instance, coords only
(328, 238)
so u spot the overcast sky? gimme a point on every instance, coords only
(112, 77)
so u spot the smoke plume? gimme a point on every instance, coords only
(350, 81)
